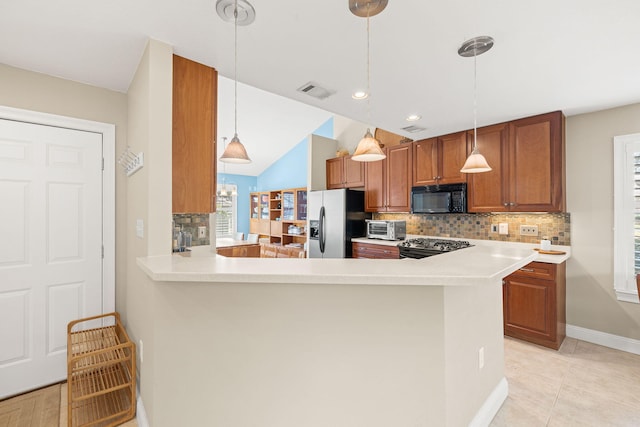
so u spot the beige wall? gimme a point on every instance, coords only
(39, 92)
(148, 199)
(591, 301)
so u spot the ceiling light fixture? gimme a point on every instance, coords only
(368, 149)
(413, 117)
(476, 162)
(235, 151)
(360, 95)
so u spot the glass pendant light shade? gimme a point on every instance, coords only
(368, 149)
(475, 163)
(235, 152)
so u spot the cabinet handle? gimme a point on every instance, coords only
(528, 270)
(506, 204)
(435, 178)
(512, 204)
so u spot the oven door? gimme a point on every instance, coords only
(430, 202)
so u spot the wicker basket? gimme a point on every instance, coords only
(101, 373)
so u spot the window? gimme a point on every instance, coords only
(226, 223)
(626, 247)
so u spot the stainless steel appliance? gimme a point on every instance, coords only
(447, 198)
(424, 247)
(386, 229)
(335, 216)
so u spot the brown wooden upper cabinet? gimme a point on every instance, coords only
(195, 88)
(439, 160)
(527, 158)
(388, 182)
(342, 172)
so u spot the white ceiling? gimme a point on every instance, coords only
(570, 55)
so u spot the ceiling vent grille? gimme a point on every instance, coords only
(413, 129)
(315, 90)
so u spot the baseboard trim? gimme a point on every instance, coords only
(492, 405)
(141, 415)
(617, 342)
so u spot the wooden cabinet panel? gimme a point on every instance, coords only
(371, 250)
(488, 191)
(425, 162)
(527, 158)
(252, 251)
(452, 155)
(537, 155)
(439, 160)
(342, 172)
(534, 304)
(375, 186)
(388, 182)
(335, 173)
(194, 137)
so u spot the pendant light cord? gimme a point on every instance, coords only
(475, 102)
(368, 72)
(235, 68)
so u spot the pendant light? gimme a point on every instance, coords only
(235, 151)
(368, 149)
(476, 162)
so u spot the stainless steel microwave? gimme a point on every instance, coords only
(447, 198)
(386, 229)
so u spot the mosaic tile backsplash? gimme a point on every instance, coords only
(554, 226)
(190, 223)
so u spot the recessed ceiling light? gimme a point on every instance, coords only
(413, 117)
(360, 95)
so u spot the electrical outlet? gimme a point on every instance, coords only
(503, 228)
(202, 232)
(140, 351)
(481, 358)
(494, 228)
(528, 230)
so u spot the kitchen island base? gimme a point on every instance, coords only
(318, 355)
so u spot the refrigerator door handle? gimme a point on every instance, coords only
(321, 233)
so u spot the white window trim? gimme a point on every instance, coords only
(624, 280)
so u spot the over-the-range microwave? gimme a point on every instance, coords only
(446, 198)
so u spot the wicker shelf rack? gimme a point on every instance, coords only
(101, 372)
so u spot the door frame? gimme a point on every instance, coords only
(108, 184)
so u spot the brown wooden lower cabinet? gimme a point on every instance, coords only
(534, 304)
(371, 250)
(248, 251)
(269, 250)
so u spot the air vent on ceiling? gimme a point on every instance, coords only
(315, 90)
(413, 129)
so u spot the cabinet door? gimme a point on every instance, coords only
(488, 191)
(399, 178)
(529, 308)
(353, 173)
(425, 162)
(335, 178)
(194, 136)
(374, 186)
(451, 158)
(537, 177)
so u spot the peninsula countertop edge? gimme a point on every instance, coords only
(483, 263)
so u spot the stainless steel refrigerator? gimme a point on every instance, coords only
(335, 216)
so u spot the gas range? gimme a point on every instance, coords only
(423, 247)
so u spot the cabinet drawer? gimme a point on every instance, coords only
(539, 270)
(365, 250)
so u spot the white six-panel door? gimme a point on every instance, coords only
(50, 247)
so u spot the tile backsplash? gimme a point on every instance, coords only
(554, 226)
(190, 223)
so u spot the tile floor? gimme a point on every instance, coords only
(582, 384)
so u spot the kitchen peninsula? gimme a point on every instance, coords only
(317, 342)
